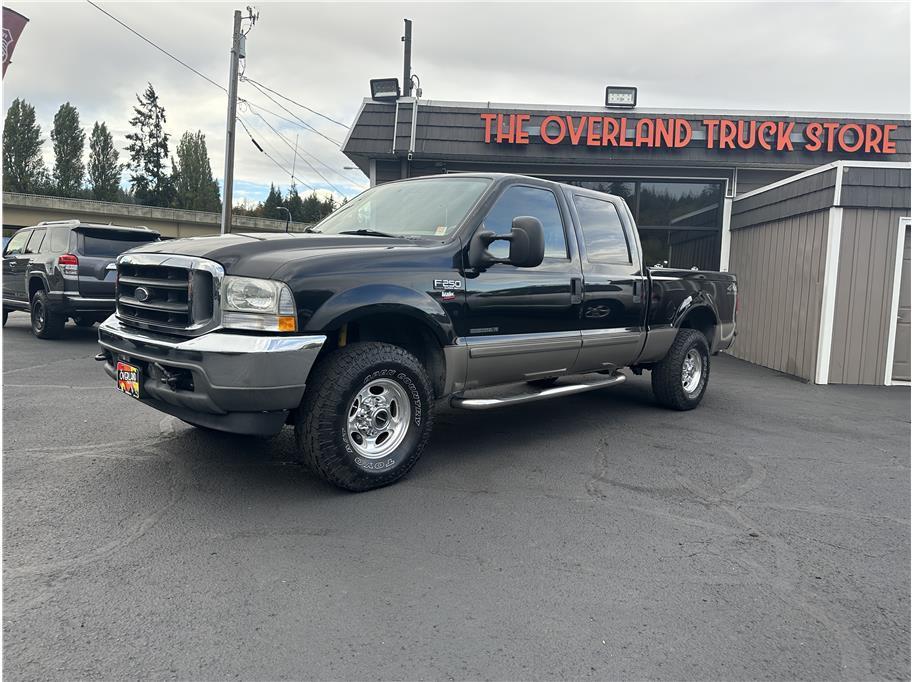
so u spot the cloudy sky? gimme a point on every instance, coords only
(834, 57)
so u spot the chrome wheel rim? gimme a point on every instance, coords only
(39, 315)
(692, 370)
(378, 418)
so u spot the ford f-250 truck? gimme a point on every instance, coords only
(455, 288)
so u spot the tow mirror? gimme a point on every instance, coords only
(527, 245)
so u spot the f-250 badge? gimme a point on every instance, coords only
(449, 287)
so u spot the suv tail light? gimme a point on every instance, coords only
(69, 264)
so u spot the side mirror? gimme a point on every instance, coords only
(527, 242)
(527, 245)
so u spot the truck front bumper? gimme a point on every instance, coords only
(241, 383)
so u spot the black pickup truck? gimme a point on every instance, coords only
(481, 290)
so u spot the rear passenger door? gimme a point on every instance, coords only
(613, 307)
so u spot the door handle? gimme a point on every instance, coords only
(576, 290)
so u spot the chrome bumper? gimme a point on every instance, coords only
(242, 383)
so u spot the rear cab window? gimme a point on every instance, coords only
(603, 231)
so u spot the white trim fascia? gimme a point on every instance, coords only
(828, 298)
(894, 300)
(726, 234)
(839, 165)
(617, 112)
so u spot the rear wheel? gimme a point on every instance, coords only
(45, 323)
(680, 379)
(366, 416)
(5, 316)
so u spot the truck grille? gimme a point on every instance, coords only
(174, 294)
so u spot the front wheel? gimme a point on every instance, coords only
(680, 379)
(366, 416)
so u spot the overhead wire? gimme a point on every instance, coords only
(298, 122)
(269, 156)
(288, 144)
(302, 122)
(303, 106)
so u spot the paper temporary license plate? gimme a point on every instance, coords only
(128, 379)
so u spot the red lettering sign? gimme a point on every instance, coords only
(674, 133)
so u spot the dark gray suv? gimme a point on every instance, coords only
(65, 269)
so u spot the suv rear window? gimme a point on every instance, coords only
(111, 243)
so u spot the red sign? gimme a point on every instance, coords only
(672, 133)
(13, 23)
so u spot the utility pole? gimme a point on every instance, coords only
(407, 60)
(230, 128)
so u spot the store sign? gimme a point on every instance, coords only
(672, 133)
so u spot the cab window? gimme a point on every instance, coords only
(527, 201)
(17, 243)
(603, 232)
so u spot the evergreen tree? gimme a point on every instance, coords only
(273, 201)
(195, 189)
(327, 206)
(69, 144)
(104, 167)
(295, 205)
(311, 208)
(148, 149)
(23, 166)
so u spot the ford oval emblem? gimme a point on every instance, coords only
(142, 294)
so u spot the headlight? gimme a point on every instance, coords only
(261, 304)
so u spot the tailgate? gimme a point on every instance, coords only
(97, 250)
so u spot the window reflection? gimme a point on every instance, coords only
(678, 222)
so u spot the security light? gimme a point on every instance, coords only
(385, 89)
(623, 97)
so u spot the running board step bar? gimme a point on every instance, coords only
(463, 403)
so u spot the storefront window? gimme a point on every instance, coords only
(694, 204)
(681, 248)
(678, 222)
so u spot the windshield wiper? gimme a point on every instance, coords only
(371, 233)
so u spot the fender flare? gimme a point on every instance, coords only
(35, 274)
(383, 298)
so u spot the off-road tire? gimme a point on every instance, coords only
(321, 421)
(84, 321)
(667, 385)
(45, 324)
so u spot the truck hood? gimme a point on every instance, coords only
(260, 255)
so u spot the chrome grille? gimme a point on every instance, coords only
(175, 294)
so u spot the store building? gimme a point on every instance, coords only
(687, 176)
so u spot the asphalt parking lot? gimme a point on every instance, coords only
(764, 535)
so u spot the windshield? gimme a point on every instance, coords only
(421, 208)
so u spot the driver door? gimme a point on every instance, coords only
(523, 323)
(14, 267)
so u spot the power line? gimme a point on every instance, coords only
(157, 47)
(292, 114)
(312, 167)
(269, 156)
(304, 151)
(303, 106)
